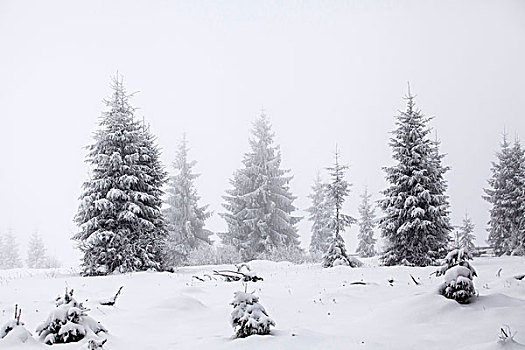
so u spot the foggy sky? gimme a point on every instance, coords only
(326, 72)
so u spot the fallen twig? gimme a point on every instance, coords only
(112, 301)
(360, 283)
(415, 281)
(237, 276)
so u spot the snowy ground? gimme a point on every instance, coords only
(314, 308)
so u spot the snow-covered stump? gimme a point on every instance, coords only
(12, 324)
(248, 316)
(13, 333)
(68, 323)
(458, 273)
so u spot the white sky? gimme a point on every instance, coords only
(325, 72)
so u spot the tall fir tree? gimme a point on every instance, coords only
(506, 194)
(466, 237)
(121, 226)
(367, 224)
(260, 204)
(320, 217)
(36, 252)
(416, 225)
(337, 190)
(184, 217)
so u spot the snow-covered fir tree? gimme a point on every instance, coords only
(36, 253)
(9, 252)
(2, 254)
(68, 322)
(367, 223)
(466, 237)
(337, 190)
(249, 316)
(416, 225)
(518, 237)
(458, 274)
(506, 194)
(121, 226)
(260, 205)
(185, 219)
(320, 217)
(442, 226)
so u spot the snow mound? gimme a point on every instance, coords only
(20, 337)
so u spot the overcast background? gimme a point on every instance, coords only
(325, 72)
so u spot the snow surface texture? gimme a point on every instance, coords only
(314, 308)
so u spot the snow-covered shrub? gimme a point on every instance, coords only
(292, 254)
(11, 324)
(314, 257)
(214, 255)
(93, 344)
(337, 255)
(458, 274)
(505, 336)
(69, 322)
(248, 316)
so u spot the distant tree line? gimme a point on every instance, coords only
(133, 216)
(37, 256)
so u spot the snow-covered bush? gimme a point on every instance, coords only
(458, 274)
(337, 255)
(505, 336)
(214, 255)
(69, 322)
(93, 344)
(11, 324)
(248, 316)
(292, 254)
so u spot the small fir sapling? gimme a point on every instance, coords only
(337, 254)
(12, 324)
(337, 190)
(248, 316)
(458, 275)
(69, 322)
